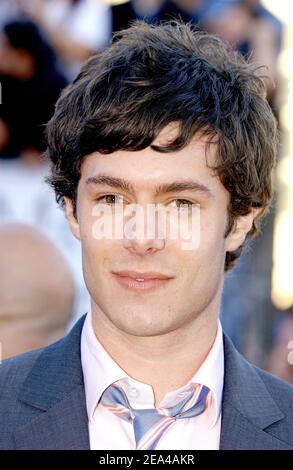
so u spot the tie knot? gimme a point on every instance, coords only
(150, 424)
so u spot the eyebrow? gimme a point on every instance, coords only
(164, 188)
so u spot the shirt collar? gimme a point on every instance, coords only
(100, 371)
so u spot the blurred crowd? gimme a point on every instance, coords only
(42, 46)
(44, 42)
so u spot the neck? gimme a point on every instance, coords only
(166, 362)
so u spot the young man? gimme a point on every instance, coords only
(166, 118)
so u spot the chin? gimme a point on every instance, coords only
(141, 328)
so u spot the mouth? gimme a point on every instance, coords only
(147, 281)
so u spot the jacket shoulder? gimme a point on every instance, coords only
(281, 392)
(13, 373)
(257, 406)
(32, 383)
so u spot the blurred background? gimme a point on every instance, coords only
(42, 46)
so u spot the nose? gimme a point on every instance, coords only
(143, 246)
(147, 235)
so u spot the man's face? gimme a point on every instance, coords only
(195, 275)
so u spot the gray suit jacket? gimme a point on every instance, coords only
(42, 401)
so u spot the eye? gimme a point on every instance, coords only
(110, 199)
(182, 203)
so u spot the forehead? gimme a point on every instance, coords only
(147, 168)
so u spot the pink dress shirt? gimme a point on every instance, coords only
(109, 432)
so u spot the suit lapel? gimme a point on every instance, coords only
(54, 389)
(63, 427)
(238, 433)
(247, 407)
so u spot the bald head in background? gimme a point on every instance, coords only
(36, 290)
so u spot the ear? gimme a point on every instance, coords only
(73, 222)
(242, 226)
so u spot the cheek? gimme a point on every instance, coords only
(208, 257)
(96, 253)
(95, 262)
(212, 229)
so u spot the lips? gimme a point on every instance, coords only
(143, 275)
(142, 281)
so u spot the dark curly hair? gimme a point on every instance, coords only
(151, 76)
